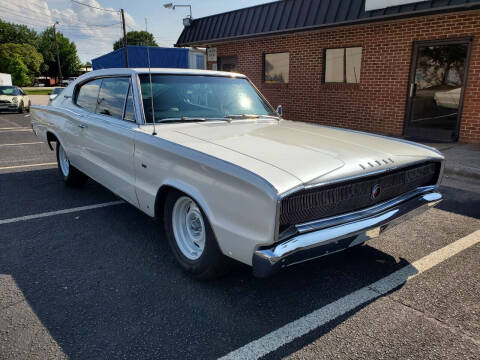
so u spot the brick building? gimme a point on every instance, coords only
(411, 69)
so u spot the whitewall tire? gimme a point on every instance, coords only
(191, 238)
(71, 175)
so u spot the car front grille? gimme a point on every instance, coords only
(4, 102)
(343, 197)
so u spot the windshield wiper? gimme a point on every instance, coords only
(180, 119)
(251, 116)
(194, 119)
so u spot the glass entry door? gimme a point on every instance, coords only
(435, 97)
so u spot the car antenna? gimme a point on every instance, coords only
(151, 88)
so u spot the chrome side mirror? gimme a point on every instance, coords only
(280, 110)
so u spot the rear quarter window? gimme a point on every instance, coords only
(111, 99)
(87, 95)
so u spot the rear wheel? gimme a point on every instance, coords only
(71, 176)
(191, 238)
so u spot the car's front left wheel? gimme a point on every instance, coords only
(71, 175)
(21, 108)
(191, 238)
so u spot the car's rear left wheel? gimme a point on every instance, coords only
(191, 238)
(71, 175)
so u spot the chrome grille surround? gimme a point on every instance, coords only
(328, 200)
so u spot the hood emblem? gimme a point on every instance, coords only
(375, 192)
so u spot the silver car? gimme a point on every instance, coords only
(207, 155)
(12, 98)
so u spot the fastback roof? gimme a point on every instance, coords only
(297, 15)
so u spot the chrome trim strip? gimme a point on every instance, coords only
(324, 241)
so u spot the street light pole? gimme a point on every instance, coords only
(58, 54)
(172, 6)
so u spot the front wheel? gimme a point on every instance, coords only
(191, 238)
(71, 175)
(21, 108)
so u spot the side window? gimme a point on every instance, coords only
(111, 98)
(87, 95)
(129, 107)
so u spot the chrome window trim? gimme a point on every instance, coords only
(234, 75)
(130, 88)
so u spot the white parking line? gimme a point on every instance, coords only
(305, 324)
(27, 165)
(60, 212)
(14, 129)
(30, 143)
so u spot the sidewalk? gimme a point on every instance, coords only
(461, 159)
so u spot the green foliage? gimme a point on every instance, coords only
(67, 50)
(136, 38)
(41, 45)
(19, 71)
(19, 34)
(22, 61)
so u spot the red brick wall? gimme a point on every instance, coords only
(378, 103)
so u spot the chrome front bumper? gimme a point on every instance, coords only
(318, 238)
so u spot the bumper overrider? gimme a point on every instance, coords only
(325, 236)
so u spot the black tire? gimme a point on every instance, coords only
(28, 108)
(212, 263)
(21, 108)
(74, 177)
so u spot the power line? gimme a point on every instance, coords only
(40, 22)
(94, 7)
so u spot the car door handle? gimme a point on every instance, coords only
(83, 126)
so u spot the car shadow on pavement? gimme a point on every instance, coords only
(33, 192)
(460, 201)
(105, 285)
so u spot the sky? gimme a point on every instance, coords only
(94, 31)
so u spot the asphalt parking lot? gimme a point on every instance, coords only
(83, 276)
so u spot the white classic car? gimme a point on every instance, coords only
(230, 178)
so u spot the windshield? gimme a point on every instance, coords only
(9, 90)
(196, 96)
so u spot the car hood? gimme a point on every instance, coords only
(7, 97)
(309, 153)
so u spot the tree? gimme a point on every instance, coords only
(136, 38)
(23, 59)
(19, 71)
(19, 34)
(68, 54)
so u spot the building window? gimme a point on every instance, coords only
(343, 65)
(277, 68)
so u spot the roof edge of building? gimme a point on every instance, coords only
(398, 16)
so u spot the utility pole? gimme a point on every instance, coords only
(58, 54)
(125, 49)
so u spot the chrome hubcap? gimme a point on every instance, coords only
(63, 161)
(188, 227)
